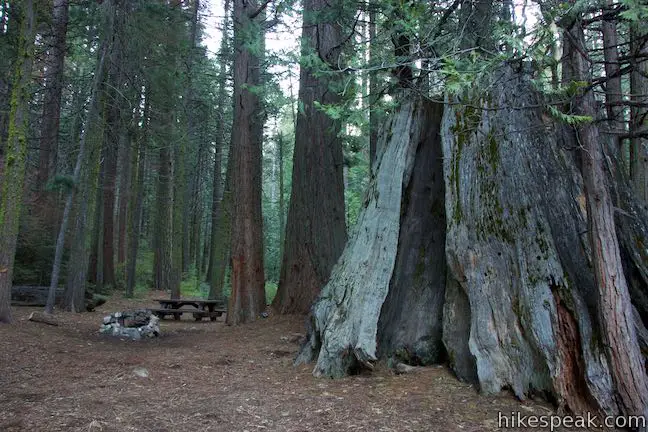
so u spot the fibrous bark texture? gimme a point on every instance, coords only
(504, 289)
(315, 230)
(16, 157)
(248, 283)
(518, 266)
(345, 317)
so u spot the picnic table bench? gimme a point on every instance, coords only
(199, 308)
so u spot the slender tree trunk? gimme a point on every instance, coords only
(248, 283)
(220, 236)
(135, 213)
(282, 200)
(197, 209)
(639, 114)
(110, 152)
(316, 227)
(221, 239)
(16, 156)
(189, 210)
(373, 90)
(613, 92)
(60, 242)
(614, 307)
(125, 179)
(164, 225)
(217, 197)
(82, 241)
(178, 191)
(96, 256)
(54, 60)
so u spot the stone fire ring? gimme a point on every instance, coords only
(133, 325)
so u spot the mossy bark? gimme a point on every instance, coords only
(15, 157)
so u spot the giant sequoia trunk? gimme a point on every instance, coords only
(316, 230)
(248, 290)
(519, 309)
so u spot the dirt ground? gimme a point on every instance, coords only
(207, 376)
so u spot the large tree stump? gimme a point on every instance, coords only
(345, 317)
(519, 261)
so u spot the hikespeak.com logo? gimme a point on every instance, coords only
(516, 419)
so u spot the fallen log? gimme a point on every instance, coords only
(41, 317)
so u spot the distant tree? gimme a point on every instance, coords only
(75, 293)
(221, 209)
(54, 62)
(639, 109)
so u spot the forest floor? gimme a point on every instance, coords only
(206, 376)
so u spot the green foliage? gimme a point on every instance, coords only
(143, 271)
(570, 119)
(192, 286)
(61, 182)
(635, 11)
(271, 291)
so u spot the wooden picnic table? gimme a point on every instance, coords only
(199, 308)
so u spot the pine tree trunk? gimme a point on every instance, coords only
(248, 284)
(52, 95)
(179, 224)
(15, 157)
(109, 156)
(164, 225)
(614, 307)
(80, 229)
(613, 92)
(282, 200)
(125, 174)
(639, 114)
(137, 205)
(373, 90)
(196, 214)
(316, 226)
(220, 236)
(82, 242)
